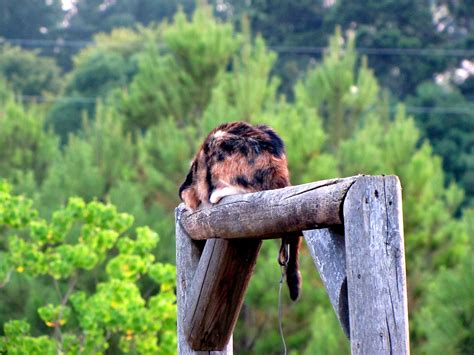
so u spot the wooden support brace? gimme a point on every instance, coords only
(375, 261)
(217, 293)
(327, 248)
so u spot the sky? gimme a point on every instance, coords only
(67, 4)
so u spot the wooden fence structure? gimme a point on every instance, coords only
(353, 228)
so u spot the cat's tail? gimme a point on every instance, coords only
(289, 253)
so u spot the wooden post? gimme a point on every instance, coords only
(363, 272)
(187, 259)
(375, 261)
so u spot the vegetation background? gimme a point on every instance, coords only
(104, 102)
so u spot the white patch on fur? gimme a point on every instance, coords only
(219, 133)
(218, 194)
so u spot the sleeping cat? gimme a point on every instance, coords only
(238, 158)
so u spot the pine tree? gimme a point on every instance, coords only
(100, 71)
(98, 158)
(339, 124)
(447, 326)
(28, 73)
(177, 80)
(26, 148)
(341, 92)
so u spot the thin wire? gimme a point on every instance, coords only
(75, 99)
(283, 257)
(466, 109)
(378, 51)
(280, 322)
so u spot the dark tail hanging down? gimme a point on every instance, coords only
(288, 257)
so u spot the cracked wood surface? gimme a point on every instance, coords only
(272, 213)
(217, 292)
(188, 253)
(375, 262)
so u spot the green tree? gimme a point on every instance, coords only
(26, 148)
(75, 243)
(178, 82)
(393, 24)
(140, 172)
(433, 237)
(423, 31)
(101, 156)
(451, 133)
(28, 73)
(341, 92)
(448, 326)
(99, 70)
(285, 25)
(137, 173)
(94, 16)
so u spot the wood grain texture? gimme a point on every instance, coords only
(269, 214)
(218, 290)
(327, 249)
(375, 261)
(187, 260)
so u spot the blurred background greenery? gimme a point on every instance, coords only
(109, 100)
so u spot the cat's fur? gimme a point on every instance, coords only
(238, 158)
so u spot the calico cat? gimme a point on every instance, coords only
(238, 158)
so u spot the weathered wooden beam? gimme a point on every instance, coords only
(375, 261)
(217, 293)
(327, 249)
(188, 254)
(268, 214)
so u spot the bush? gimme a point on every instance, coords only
(100, 275)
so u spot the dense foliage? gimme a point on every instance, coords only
(408, 43)
(64, 253)
(86, 286)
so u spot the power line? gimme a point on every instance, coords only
(38, 43)
(378, 51)
(466, 109)
(73, 99)
(382, 51)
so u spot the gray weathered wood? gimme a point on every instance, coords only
(187, 259)
(373, 288)
(268, 214)
(375, 261)
(218, 290)
(327, 249)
